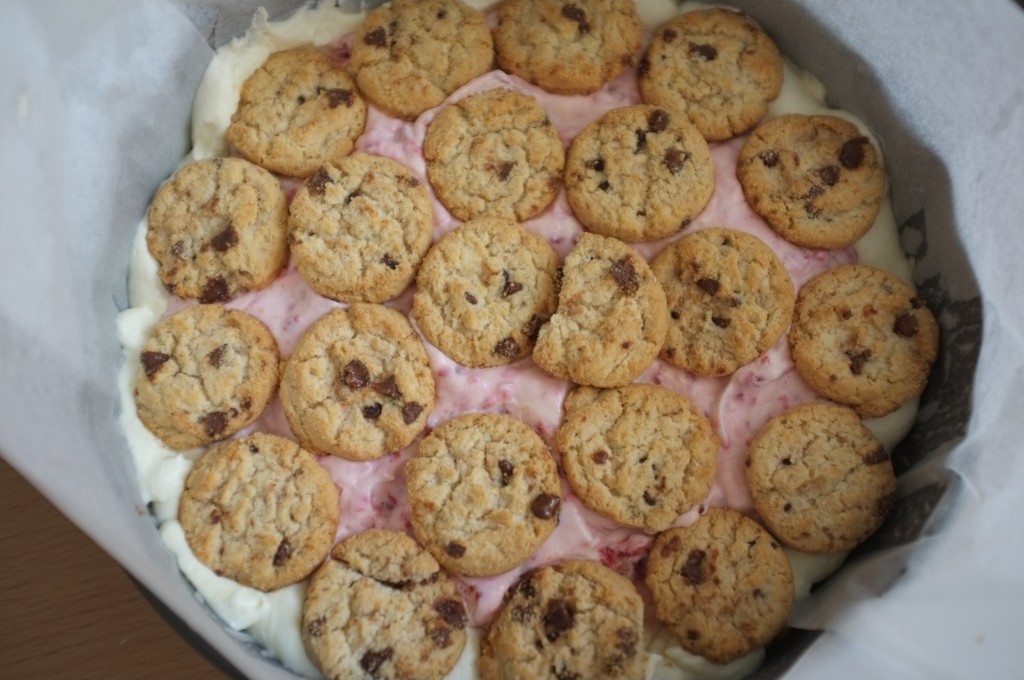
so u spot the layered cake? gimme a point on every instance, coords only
(544, 339)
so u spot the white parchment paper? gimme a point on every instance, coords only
(94, 107)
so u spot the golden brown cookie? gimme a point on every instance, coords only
(722, 584)
(611, 318)
(862, 337)
(820, 480)
(817, 180)
(218, 228)
(298, 111)
(567, 47)
(206, 373)
(484, 492)
(484, 291)
(408, 56)
(358, 384)
(715, 66)
(259, 510)
(573, 619)
(639, 173)
(640, 455)
(494, 154)
(382, 607)
(359, 230)
(729, 297)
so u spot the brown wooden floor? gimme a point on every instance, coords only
(67, 610)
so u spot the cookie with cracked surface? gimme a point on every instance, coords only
(359, 229)
(723, 585)
(640, 455)
(729, 297)
(382, 607)
(410, 55)
(297, 111)
(862, 337)
(611, 317)
(218, 228)
(259, 510)
(207, 373)
(494, 154)
(574, 619)
(715, 66)
(639, 173)
(820, 480)
(358, 384)
(484, 492)
(816, 180)
(484, 291)
(567, 47)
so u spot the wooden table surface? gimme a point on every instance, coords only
(67, 610)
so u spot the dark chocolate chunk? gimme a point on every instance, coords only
(675, 314)
(507, 348)
(216, 356)
(509, 287)
(356, 193)
(708, 52)
(455, 549)
(452, 612)
(337, 96)
(225, 240)
(214, 423)
(387, 388)
(503, 170)
(857, 360)
(721, 321)
(355, 375)
(215, 290)
(600, 456)
(604, 185)
(675, 160)
(152, 361)
(506, 469)
(649, 499)
(442, 13)
(815, 191)
(641, 140)
(283, 554)
(215, 516)
(905, 325)
(372, 660)
(829, 175)
(852, 153)
(470, 298)
(388, 261)
(709, 285)
(372, 411)
(644, 69)
(318, 181)
(625, 276)
(770, 158)
(658, 120)
(559, 617)
(879, 455)
(669, 35)
(693, 570)
(376, 38)
(411, 411)
(595, 164)
(574, 13)
(545, 506)
(532, 327)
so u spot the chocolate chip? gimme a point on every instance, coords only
(532, 327)
(916, 302)
(355, 193)
(300, 99)
(355, 375)
(851, 155)
(216, 356)
(336, 97)
(787, 461)
(600, 456)
(470, 298)
(215, 290)
(905, 325)
(387, 388)
(318, 181)
(721, 321)
(560, 616)
(658, 120)
(451, 612)
(693, 570)
(214, 423)
(574, 13)
(372, 660)
(503, 170)
(545, 506)
(669, 35)
(815, 191)
(879, 455)
(857, 360)
(770, 158)
(596, 164)
(215, 516)
(675, 160)
(388, 261)
(442, 13)
(253, 448)
(649, 499)
(152, 361)
(625, 276)
(524, 586)
(225, 240)
(671, 546)
(675, 314)
(641, 140)
(507, 348)
(703, 49)
(509, 287)
(644, 68)
(604, 185)
(692, 635)
(411, 411)
(316, 627)
(410, 181)
(506, 469)
(376, 38)
(283, 554)
(829, 175)
(709, 285)
(372, 411)
(455, 549)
